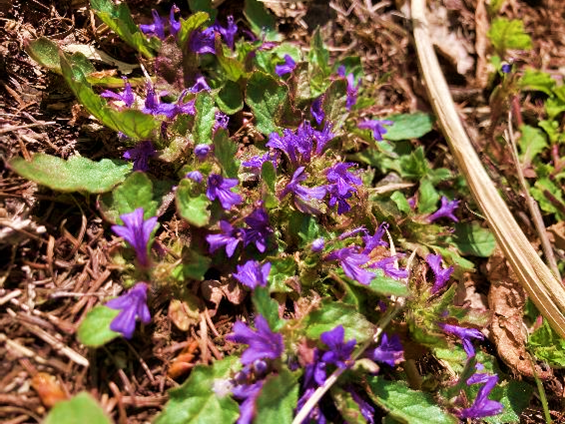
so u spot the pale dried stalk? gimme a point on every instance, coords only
(543, 288)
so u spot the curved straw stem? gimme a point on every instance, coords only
(543, 288)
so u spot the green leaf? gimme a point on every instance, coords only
(544, 186)
(269, 175)
(535, 80)
(118, 18)
(281, 270)
(75, 174)
(188, 25)
(233, 69)
(94, 330)
(225, 150)
(204, 398)
(334, 101)
(230, 99)
(531, 142)
(546, 345)
(387, 286)
(135, 192)
(192, 207)
(205, 118)
(401, 202)
(409, 125)
(407, 405)
(132, 123)
(330, 314)
(46, 53)
(265, 96)
(319, 56)
(414, 166)
(277, 400)
(203, 6)
(193, 267)
(472, 239)
(507, 34)
(82, 408)
(427, 197)
(262, 23)
(268, 307)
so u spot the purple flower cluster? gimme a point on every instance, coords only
(441, 274)
(126, 96)
(252, 274)
(351, 263)
(220, 188)
(132, 305)
(154, 106)
(137, 232)
(300, 145)
(140, 155)
(342, 185)
(482, 406)
(287, 67)
(465, 334)
(157, 28)
(264, 346)
(389, 351)
(306, 199)
(256, 232)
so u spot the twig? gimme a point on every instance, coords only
(547, 293)
(532, 204)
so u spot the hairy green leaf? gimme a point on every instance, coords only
(472, 239)
(407, 405)
(82, 408)
(409, 125)
(205, 118)
(192, 207)
(94, 330)
(268, 307)
(265, 96)
(277, 400)
(507, 34)
(75, 174)
(204, 398)
(230, 98)
(262, 23)
(225, 151)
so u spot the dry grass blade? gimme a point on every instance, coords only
(544, 289)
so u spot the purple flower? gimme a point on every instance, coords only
(339, 351)
(389, 268)
(375, 240)
(136, 232)
(446, 210)
(287, 67)
(465, 334)
(125, 96)
(174, 25)
(200, 85)
(352, 87)
(506, 68)
(441, 275)
(202, 41)
(140, 155)
(248, 393)
(228, 33)
(367, 411)
(252, 274)
(317, 111)
(153, 105)
(389, 351)
(483, 406)
(306, 199)
(156, 29)
(220, 188)
(314, 376)
(201, 151)
(318, 245)
(222, 121)
(256, 162)
(133, 305)
(195, 176)
(259, 229)
(323, 137)
(353, 233)
(229, 238)
(263, 343)
(377, 126)
(344, 180)
(351, 263)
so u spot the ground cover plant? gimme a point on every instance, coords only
(280, 238)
